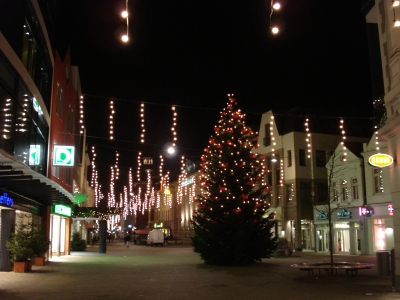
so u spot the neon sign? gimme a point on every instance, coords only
(5, 200)
(390, 209)
(365, 211)
(188, 181)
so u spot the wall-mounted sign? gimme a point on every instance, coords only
(5, 200)
(365, 211)
(380, 160)
(62, 210)
(188, 181)
(321, 215)
(390, 209)
(34, 155)
(64, 156)
(343, 214)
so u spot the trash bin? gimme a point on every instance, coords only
(383, 263)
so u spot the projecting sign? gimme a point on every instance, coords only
(380, 160)
(365, 211)
(64, 156)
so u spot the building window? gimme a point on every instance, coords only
(289, 158)
(289, 192)
(345, 192)
(354, 188)
(68, 177)
(70, 119)
(302, 157)
(320, 156)
(59, 101)
(267, 135)
(334, 191)
(378, 181)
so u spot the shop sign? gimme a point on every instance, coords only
(188, 181)
(64, 156)
(62, 210)
(343, 214)
(34, 155)
(5, 200)
(380, 160)
(390, 209)
(365, 211)
(158, 225)
(321, 215)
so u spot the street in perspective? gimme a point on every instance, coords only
(176, 272)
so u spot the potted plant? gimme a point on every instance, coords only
(20, 248)
(40, 245)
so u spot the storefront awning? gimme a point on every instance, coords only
(18, 179)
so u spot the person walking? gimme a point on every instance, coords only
(127, 238)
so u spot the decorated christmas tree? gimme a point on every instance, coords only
(231, 226)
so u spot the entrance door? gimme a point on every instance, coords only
(342, 240)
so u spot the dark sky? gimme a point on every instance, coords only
(192, 53)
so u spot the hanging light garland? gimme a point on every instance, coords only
(116, 165)
(343, 132)
(124, 14)
(112, 120)
(142, 122)
(271, 132)
(377, 140)
(139, 161)
(82, 127)
(274, 6)
(308, 139)
(174, 137)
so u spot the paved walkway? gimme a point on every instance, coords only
(176, 272)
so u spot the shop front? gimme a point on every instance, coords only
(346, 230)
(60, 229)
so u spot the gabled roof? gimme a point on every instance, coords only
(321, 122)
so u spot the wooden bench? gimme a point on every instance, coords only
(351, 268)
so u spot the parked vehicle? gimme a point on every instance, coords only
(155, 237)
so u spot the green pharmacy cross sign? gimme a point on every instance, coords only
(63, 156)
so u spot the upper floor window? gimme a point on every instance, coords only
(59, 101)
(70, 119)
(320, 156)
(345, 192)
(289, 158)
(267, 135)
(302, 157)
(378, 181)
(354, 188)
(334, 191)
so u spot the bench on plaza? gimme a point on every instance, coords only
(173, 242)
(351, 268)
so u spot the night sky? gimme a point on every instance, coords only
(192, 53)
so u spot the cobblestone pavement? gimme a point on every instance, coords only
(176, 272)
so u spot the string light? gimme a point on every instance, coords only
(112, 120)
(82, 127)
(139, 161)
(142, 122)
(341, 126)
(376, 140)
(173, 126)
(271, 132)
(274, 6)
(116, 165)
(125, 38)
(308, 139)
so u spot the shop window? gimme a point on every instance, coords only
(379, 234)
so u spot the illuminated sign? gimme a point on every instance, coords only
(188, 181)
(158, 225)
(5, 200)
(34, 154)
(64, 156)
(343, 214)
(380, 160)
(62, 210)
(390, 209)
(365, 211)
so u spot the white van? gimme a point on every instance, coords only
(155, 237)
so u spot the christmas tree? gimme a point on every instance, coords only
(230, 224)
